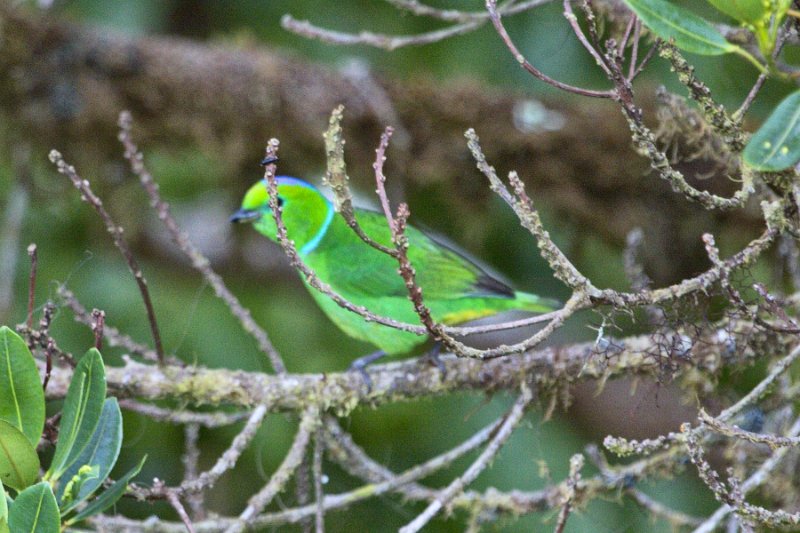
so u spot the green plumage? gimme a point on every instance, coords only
(455, 289)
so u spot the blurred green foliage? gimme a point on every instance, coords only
(74, 249)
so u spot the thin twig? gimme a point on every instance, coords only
(656, 508)
(225, 462)
(32, 283)
(336, 178)
(190, 460)
(319, 495)
(454, 15)
(575, 467)
(98, 323)
(773, 441)
(198, 260)
(385, 42)
(291, 461)
(733, 493)
(569, 14)
(116, 234)
(176, 504)
(494, 15)
(759, 390)
(212, 419)
(758, 478)
(112, 334)
(513, 418)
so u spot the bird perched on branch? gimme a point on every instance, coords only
(454, 288)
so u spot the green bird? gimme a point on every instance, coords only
(455, 289)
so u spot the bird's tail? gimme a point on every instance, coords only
(535, 304)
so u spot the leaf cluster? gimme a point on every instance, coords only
(776, 145)
(89, 442)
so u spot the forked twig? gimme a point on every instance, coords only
(513, 418)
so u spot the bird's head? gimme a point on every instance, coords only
(305, 211)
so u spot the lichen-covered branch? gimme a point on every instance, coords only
(404, 380)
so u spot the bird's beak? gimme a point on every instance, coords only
(245, 215)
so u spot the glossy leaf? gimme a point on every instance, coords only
(21, 395)
(109, 497)
(35, 511)
(82, 408)
(19, 464)
(748, 11)
(100, 456)
(776, 145)
(690, 32)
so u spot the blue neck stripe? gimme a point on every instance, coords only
(311, 245)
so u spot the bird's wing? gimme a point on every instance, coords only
(441, 271)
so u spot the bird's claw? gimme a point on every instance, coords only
(433, 358)
(360, 366)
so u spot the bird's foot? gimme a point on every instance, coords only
(432, 357)
(360, 366)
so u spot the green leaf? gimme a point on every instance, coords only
(747, 11)
(3, 504)
(100, 455)
(3, 511)
(21, 395)
(690, 32)
(35, 511)
(4, 501)
(19, 464)
(776, 144)
(109, 497)
(82, 408)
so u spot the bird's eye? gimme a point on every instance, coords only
(280, 201)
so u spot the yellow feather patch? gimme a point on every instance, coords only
(459, 317)
(256, 197)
